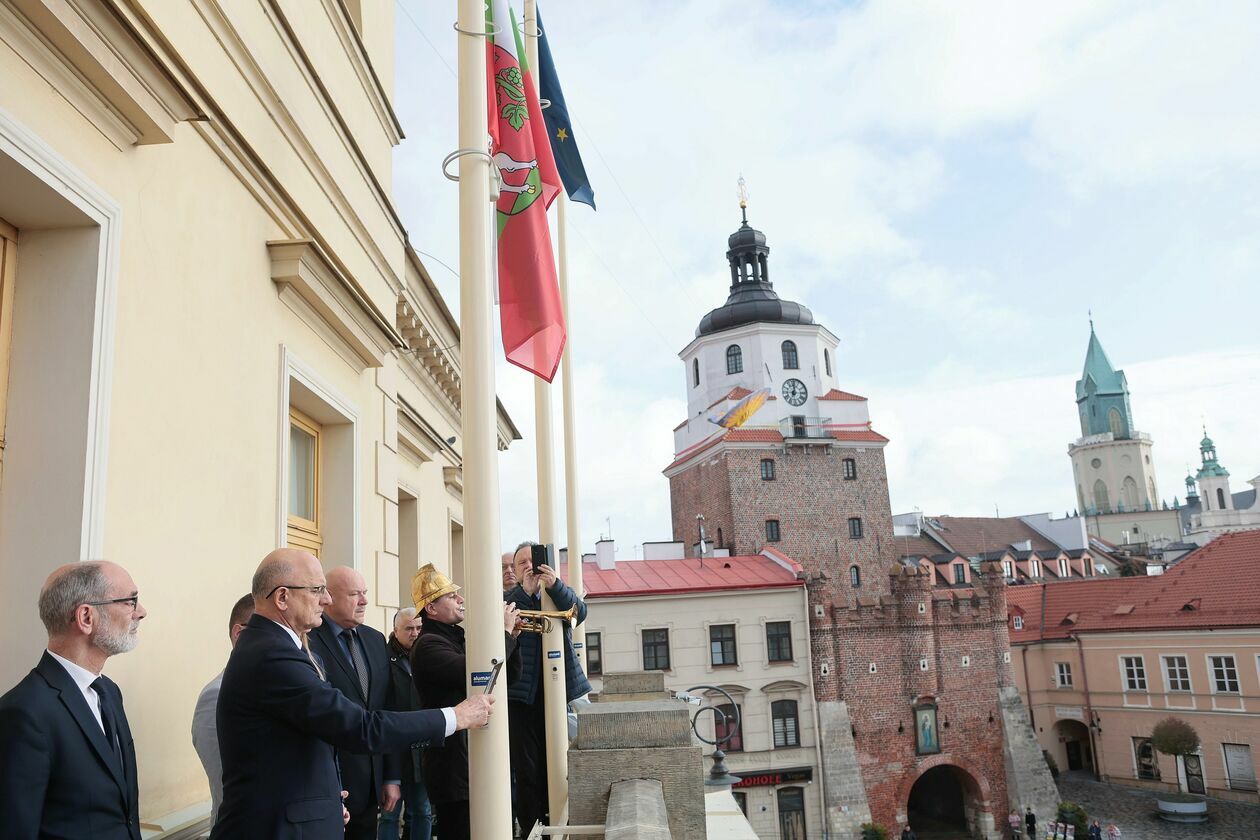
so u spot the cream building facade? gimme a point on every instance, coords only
(214, 335)
(738, 623)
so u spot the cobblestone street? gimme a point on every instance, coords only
(1133, 810)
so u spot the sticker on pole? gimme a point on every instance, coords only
(480, 678)
(553, 654)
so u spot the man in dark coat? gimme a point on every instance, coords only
(281, 726)
(1030, 821)
(358, 667)
(526, 712)
(402, 696)
(439, 670)
(67, 760)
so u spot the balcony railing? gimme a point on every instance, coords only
(799, 426)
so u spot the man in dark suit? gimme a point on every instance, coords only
(281, 727)
(67, 761)
(357, 663)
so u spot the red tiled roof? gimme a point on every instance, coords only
(736, 393)
(837, 394)
(868, 435)
(757, 434)
(1220, 577)
(672, 577)
(972, 536)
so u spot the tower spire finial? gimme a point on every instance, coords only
(1090, 312)
(743, 197)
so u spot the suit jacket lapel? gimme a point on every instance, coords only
(328, 636)
(76, 705)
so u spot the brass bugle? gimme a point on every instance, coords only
(539, 621)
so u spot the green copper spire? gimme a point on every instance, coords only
(1102, 394)
(1211, 467)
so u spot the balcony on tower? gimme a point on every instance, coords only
(802, 428)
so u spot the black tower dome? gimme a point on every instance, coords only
(752, 299)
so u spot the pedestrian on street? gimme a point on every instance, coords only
(907, 833)
(1015, 822)
(1113, 831)
(1095, 831)
(1030, 822)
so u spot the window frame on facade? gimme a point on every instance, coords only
(1064, 569)
(594, 653)
(1063, 675)
(960, 573)
(723, 725)
(1008, 569)
(695, 372)
(1133, 673)
(827, 361)
(773, 532)
(1215, 679)
(734, 360)
(848, 469)
(855, 527)
(741, 799)
(777, 640)
(791, 357)
(1174, 681)
(1034, 567)
(660, 648)
(855, 576)
(1243, 782)
(767, 469)
(301, 531)
(1017, 622)
(723, 645)
(1151, 774)
(791, 729)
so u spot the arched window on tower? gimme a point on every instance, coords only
(1220, 498)
(826, 361)
(734, 360)
(695, 373)
(855, 576)
(1130, 493)
(790, 360)
(1116, 423)
(1101, 502)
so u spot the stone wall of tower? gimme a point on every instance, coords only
(895, 633)
(813, 502)
(702, 489)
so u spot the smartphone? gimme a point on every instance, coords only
(494, 675)
(540, 554)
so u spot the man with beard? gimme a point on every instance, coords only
(439, 670)
(281, 725)
(67, 761)
(402, 697)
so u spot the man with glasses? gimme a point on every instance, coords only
(355, 658)
(67, 762)
(282, 728)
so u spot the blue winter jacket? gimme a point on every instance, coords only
(525, 689)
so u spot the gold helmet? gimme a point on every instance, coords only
(428, 584)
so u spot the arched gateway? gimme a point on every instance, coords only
(949, 801)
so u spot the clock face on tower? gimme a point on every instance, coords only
(794, 392)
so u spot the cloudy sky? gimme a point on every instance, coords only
(950, 187)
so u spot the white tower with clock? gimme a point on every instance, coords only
(758, 340)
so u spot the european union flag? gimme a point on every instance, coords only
(563, 145)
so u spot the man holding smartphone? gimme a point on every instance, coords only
(526, 714)
(439, 670)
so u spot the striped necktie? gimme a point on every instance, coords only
(360, 665)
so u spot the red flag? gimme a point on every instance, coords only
(530, 310)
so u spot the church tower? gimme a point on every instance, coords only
(1111, 461)
(805, 474)
(1213, 479)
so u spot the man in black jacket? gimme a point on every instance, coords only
(439, 670)
(280, 725)
(67, 761)
(358, 666)
(401, 696)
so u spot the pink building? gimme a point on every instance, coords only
(1099, 662)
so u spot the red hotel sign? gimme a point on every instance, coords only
(769, 778)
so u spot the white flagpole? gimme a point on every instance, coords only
(572, 518)
(489, 771)
(554, 691)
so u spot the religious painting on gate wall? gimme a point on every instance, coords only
(927, 739)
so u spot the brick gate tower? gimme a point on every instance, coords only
(919, 716)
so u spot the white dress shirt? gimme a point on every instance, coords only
(83, 678)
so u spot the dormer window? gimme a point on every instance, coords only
(1063, 568)
(734, 360)
(1034, 568)
(1018, 622)
(790, 359)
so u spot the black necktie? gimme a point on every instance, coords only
(108, 721)
(356, 657)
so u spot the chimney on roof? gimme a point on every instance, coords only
(604, 555)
